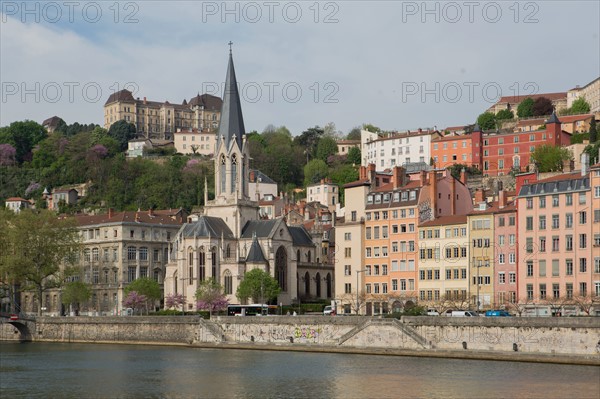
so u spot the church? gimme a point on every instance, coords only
(229, 238)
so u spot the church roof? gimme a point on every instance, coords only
(232, 122)
(255, 254)
(207, 226)
(262, 228)
(300, 236)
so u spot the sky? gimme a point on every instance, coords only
(396, 64)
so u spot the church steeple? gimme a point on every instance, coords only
(232, 123)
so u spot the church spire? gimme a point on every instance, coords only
(232, 123)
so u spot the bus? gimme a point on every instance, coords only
(252, 310)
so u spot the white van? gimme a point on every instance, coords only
(464, 313)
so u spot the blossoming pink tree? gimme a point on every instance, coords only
(175, 300)
(209, 296)
(135, 301)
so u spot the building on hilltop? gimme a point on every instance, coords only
(511, 103)
(160, 120)
(590, 92)
(230, 239)
(387, 150)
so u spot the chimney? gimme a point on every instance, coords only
(110, 212)
(463, 176)
(480, 195)
(397, 173)
(150, 212)
(137, 216)
(423, 177)
(501, 199)
(144, 100)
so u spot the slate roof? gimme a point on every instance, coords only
(260, 175)
(122, 95)
(557, 184)
(262, 228)
(207, 226)
(255, 254)
(209, 102)
(128, 217)
(300, 236)
(232, 122)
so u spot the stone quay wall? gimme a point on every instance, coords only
(543, 339)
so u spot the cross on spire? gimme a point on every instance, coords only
(230, 44)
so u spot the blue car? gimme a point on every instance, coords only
(497, 313)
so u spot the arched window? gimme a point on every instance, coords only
(318, 278)
(201, 264)
(308, 256)
(228, 251)
(95, 254)
(213, 262)
(307, 284)
(281, 268)
(175, 278)
(233, 173)
(329, 285)
(227, 283)
(222, 174)
(86, 254)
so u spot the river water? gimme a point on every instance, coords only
(53, 370)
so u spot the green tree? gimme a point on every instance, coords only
(23, 135)
(75, 293)
(549, 158)
(487, 121)
(258, 286)
(371, 128)
(209, 296)
(525, 108)
(505, 114)
(147, 287)
(354, 156)
(38, 244)
(592, 150)
(308, 140)
(456, 170)
(122, 132)
(354, 134)
(542, 106)
(314, 171)
(580, 106)
(327, 146)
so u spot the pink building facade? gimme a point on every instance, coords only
(505, 252)
(555, 241)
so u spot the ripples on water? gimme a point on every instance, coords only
(121, 371)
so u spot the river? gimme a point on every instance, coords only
(54, 370)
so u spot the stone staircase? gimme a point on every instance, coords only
(406, 330)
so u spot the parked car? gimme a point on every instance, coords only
(329, 311)
(432, 312)
(497, 313)
(464, 313)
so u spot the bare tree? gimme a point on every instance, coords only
(520, 305)
(586, 303)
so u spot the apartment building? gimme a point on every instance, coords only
(325, 192)
(117, 248)
(397, 149)
(595, 210)
(444, 263)
(452, 149)
(195, 141)
(505, 252)
(503, 152)
(591, 93)
(154, 119)
(396, 206)
(555, 235)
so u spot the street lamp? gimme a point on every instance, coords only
(357, 285)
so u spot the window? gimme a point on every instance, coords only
(583, 289)
(569, 267)
(348, 236)
(542, 291)
(555, 201)
(348, 288)
(512, 277)
(143, 253)
(529, 223)
(501, 221)
(569, 288)
(542, 222)
(347, 270)
(568, 220)
(555, 222)
(542, 202)
(529, 245)
(582, 265)
(529, 203)
(569, 242)
(512, 258)
(501, 278)
(569, 199)
(583, 241)
(582, 217)
(581, 198)
(555, 291)
(555, 244)
(394, 284)
(131, 253)
(542, 244)
(529, 268)
(348, 252)
(530, 291)
(555, 268)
